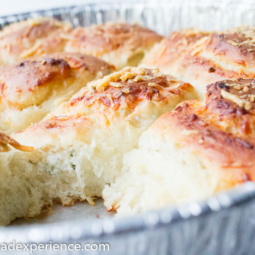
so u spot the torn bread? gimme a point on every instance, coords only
(79, 148)
(191, 153)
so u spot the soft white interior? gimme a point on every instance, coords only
(63, 170)
(75, 161)
(74, 164)
(31, 181)
(159, 173)
(20, 181)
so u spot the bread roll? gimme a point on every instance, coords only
(218, 56)
(79, 148)
(119, 44)
(34, 87)
(196, 150)
(169, 51)
(33, 37)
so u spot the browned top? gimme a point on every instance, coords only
(127, 89)
(25, 38)
(230, 105)
(31, 81)
(30, 76)
(232, 96)
(172, 47)
(230, 156)
(132, 96)
(237, 45)
(203, 58)
(226, 55)
(233, 104)
(85, 62)
(220, 130)
(100, 39)
(31, 29)
(228, 149)
(187, 36)
(178, 42)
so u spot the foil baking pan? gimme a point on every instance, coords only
(223, 224)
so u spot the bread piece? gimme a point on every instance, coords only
(10, 186)
(80, 148)
(33, 37)
(219, 56)
(196, 150)
(34, 87)
(169, 51)
(119, 44)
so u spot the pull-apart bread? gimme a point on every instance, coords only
(34, 87)
(194, 151)
(80, 146)
(119, 44)
(203, 59)
(33, 37)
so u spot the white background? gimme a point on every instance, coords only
(18, 6)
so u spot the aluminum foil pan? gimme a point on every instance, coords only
(223, 224)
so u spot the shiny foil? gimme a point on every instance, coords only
(223, 224)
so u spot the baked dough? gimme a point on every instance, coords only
(34, 87)
(191, 153)
(119, 44)
(32, 37)
(80, 146)
(223, 55)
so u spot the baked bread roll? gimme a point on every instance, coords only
(119, 44)
(34, 87)
(32, 37)
(80, 148)
(169, 51)
(218, 56)
(196, 150)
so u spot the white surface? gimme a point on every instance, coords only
(80, 211)
(19, 6)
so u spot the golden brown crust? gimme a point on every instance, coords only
(236, 97)
(78, 61)
(235, 45)
(230, 155)
(190, 116)
(175, 46)
(221, 130)
(209, 71)
(31, 29)
(31, 81)
(215, 57)
(225, 55)
(30, 38)
(119, 44)
(99, 39)
(128, 88)
(126, 96)
(233, 104)
(30, 78)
